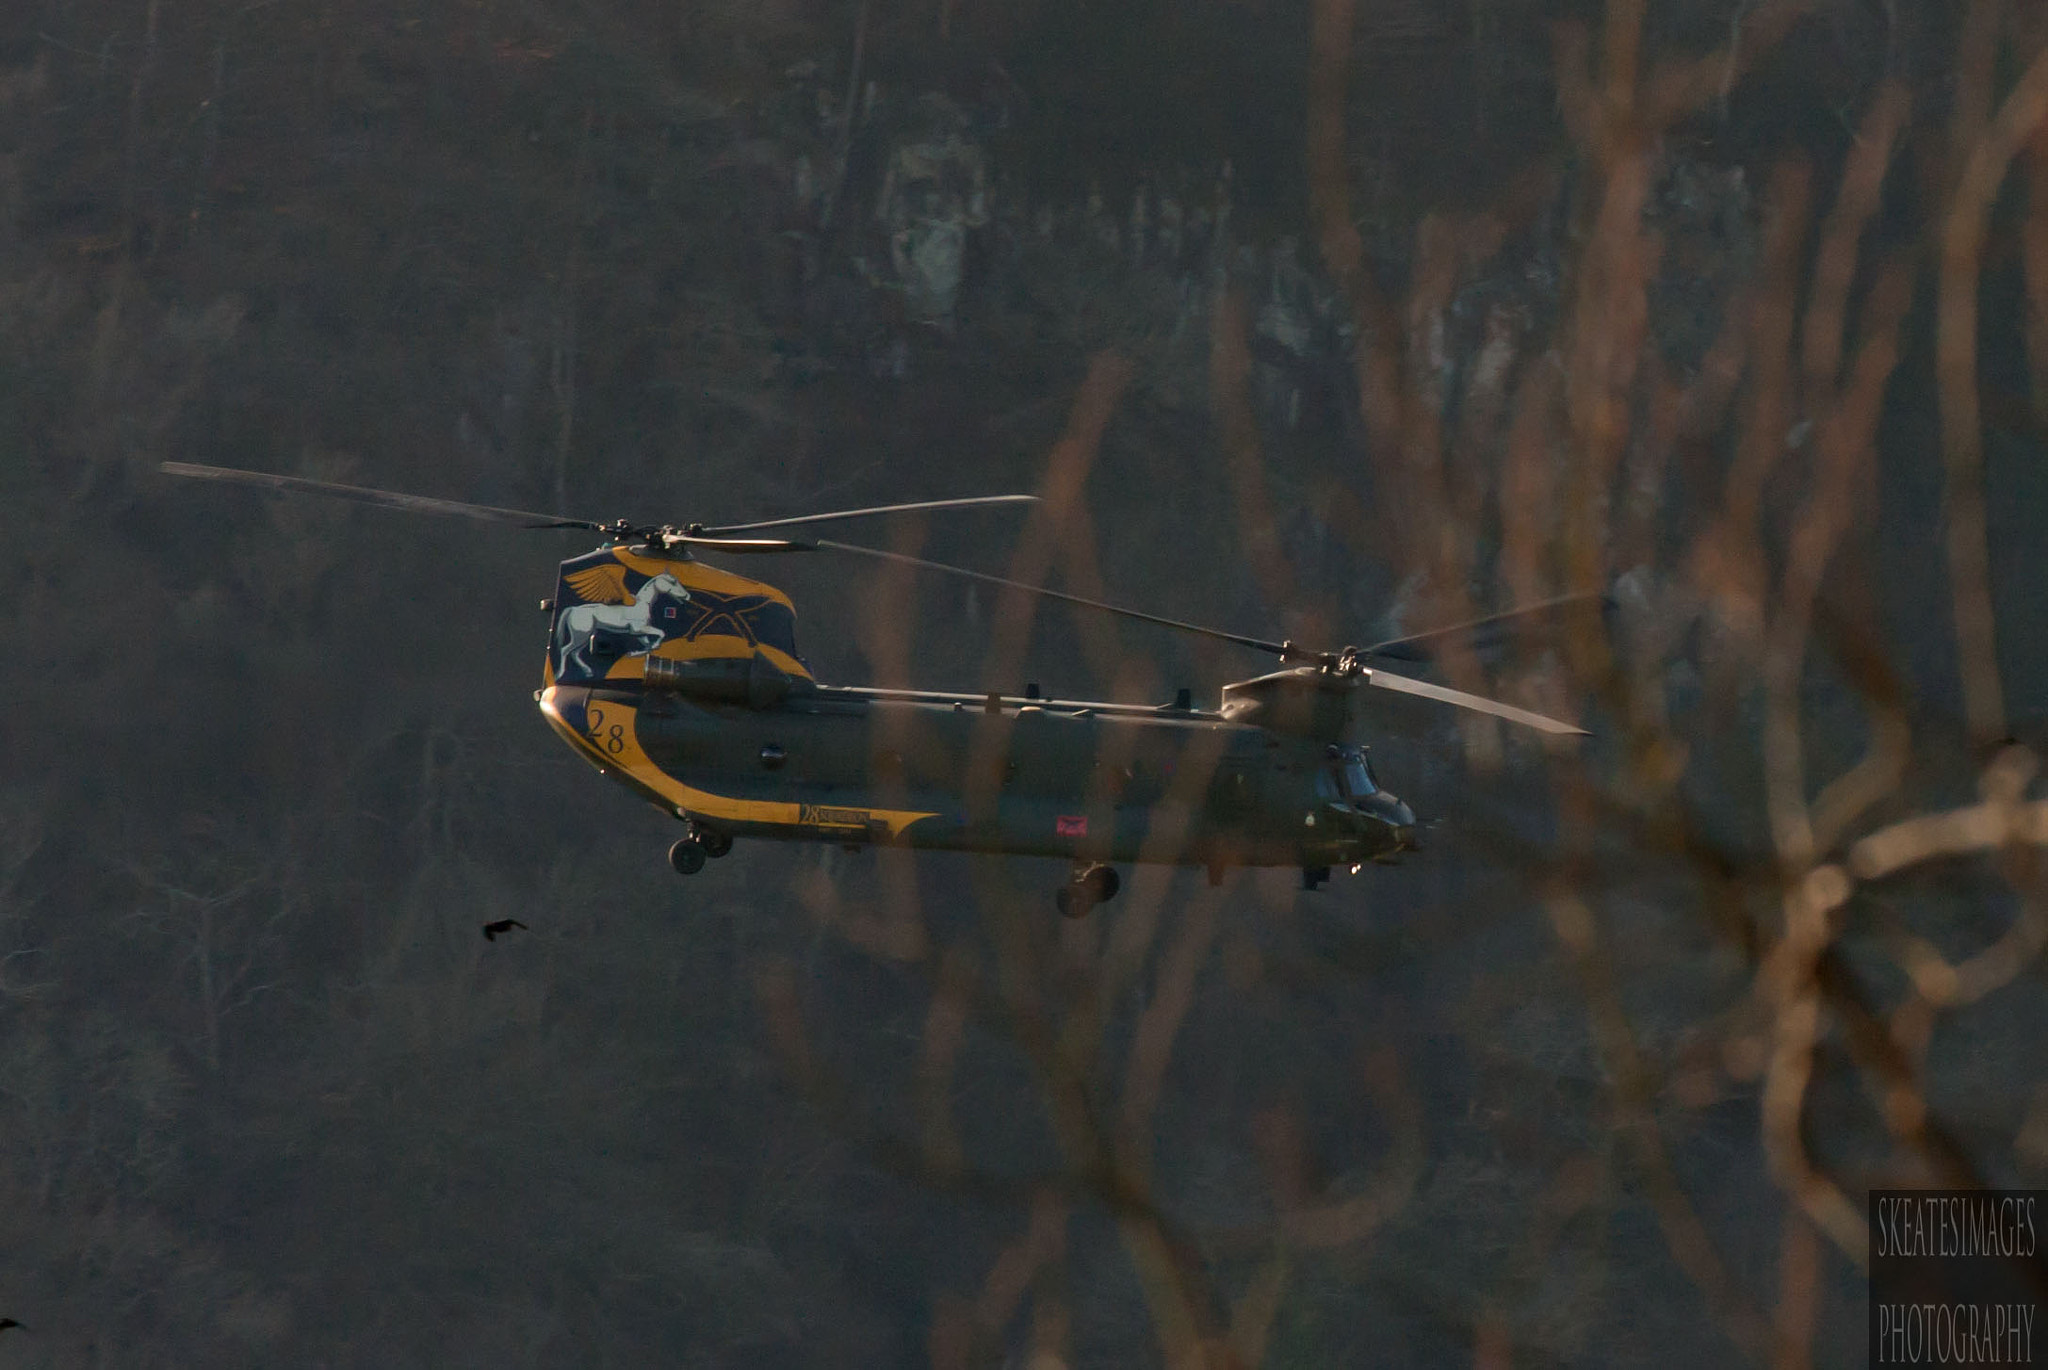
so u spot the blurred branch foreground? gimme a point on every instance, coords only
(1736, 503)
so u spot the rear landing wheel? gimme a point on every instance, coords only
(1072, 901)
(687, 856)
(715, 844)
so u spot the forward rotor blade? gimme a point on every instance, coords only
(1408, 685)
(1283, 650)
(844, 514)
(1411, 648)
(389, 499)
(713, 544)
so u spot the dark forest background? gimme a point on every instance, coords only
(1318, 318)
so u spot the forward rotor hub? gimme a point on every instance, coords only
(1344, 665)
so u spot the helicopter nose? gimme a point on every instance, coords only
(1396, 820)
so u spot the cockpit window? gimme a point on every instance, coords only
(1347, 776)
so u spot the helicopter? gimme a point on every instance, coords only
(682, 682)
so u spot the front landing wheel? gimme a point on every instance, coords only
(1087, 887)
(715, 844)
(687, 856)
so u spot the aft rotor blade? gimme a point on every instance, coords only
(1413, 647)
(389, 499)
(1408, 685)
(842, 515)
(1282, 649)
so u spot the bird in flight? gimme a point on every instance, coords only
(491, 930)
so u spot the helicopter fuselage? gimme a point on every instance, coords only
(1022, 776)
(683, 682)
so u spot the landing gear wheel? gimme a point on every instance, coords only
(1101, 882)
(715, 844)
(687, 856)
(1087, 887)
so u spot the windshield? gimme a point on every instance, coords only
(1348, 776)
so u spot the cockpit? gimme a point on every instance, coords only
(1352, 812)
(1346, 775)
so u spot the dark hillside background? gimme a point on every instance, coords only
(1328, 319)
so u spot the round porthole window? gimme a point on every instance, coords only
(772, 756)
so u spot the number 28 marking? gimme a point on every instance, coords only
(611, 737)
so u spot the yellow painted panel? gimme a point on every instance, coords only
(696, 573)
(613, 742)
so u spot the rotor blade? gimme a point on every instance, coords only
(741, 544)
(843, 514)
(1407, 685)
(1411, 648)
(1284, 650)
(389, 499)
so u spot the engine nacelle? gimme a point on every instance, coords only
(1305, 701)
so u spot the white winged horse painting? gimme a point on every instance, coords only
(578, 626)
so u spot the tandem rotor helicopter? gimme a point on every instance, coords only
(683, 683)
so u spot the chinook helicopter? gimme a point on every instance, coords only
(682, 682)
